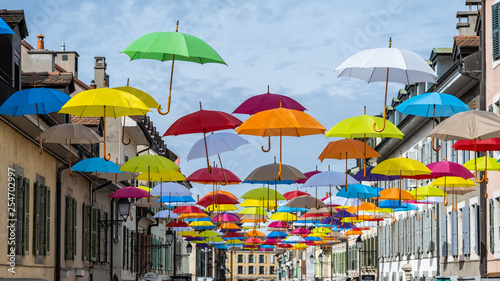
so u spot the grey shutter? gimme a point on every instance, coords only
(381, 253)
(401, 236)
(465, 230)
(476, 228)
(36, 220)
(67, 228)
(84, 232)
(26, 219)
(444, 234)
(495, 21)
(47, 221)
(93, 234)
(73, 229)
(454, 233)
(417, 233)
(434, 229)
(492, 226)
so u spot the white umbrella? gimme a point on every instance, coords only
(387, 64)
(165, 214)
(170, 189)
(341, 201)
(216, 144)
(294, 239)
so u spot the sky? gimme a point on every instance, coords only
(292, 46)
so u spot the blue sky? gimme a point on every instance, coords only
(292, 46)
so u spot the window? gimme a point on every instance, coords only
(495, 22)
(103, 238)
(262, 270)
(240, 258)
(250, 270)
(41, 220)
(271, 270)
(70, 229)
(240, 269)
(64, 57)
(262, 259)
(250, 259)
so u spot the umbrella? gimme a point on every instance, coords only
(144, 202)
(387, 64)
(280, 216)
(267, 101)
(305, 201)
(104, 102)
(172, 46)
(34, 101)
(482, 164)
(293, 239)
(170, 189)
(433, 105)
(281, 122)
(217, 176)
(229, 225)
(366, 175)
(162, 176)
(96, 165)
(70, 134)
(188, 209)
(211, 198)
(308, 175)
(300, 231)
(254, 233)
(277, 234)
(168, 214)
(479, 145)
(469, 125)
(216, 144)
(341, 201)
(221, 207)
(254, 211)
(262, 194)
(129, 192)
(5, 28)
(359, 191)
(271, 204)
(203, 121)
(226, 217)
(279, 224)
(329, 178)
(291, 210)
(292, 194)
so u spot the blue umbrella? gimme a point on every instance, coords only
(359, 191)
(329, 178)
(277, 234)
(331, 221)
(166, 199)
(34, 101)
(286, 209)
(5, 28)
(96, 165)
(433, 105)
(373, 177)
(397, 206)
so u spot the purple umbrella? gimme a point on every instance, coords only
(373, 177)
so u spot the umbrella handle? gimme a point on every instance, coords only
(434, 148)
(123, 134)
(434, 214)
(484, 179)
(416, 217)
(269, 146)
(445, 203)
(169, 91)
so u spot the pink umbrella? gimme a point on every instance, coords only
(292, 194)
(267, 101)
(227, 217)
(300, 231)
(308, 175)
(129, 192)
(266, 249)
(270, 241)
(279, 224)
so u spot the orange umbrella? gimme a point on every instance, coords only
(353, 232)
(395, 194)
(229, 225)
(254, 233)
(366, 206)
(280, 122)
(347, 149)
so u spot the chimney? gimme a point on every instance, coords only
(63, 47)
(92, 85)
(39, 43)
(100, 72)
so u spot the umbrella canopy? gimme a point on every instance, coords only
(188, 209)
(347, 149)
(469, 125)
(447, 168)
(270, 172)
(280, 216)
(342, 201)
(300, 231)
(483, 164)
(305, 202)
(432, 104)
(149, 163)
(479, 145)
(221, 208)
(202, 121)
(279, 224)
(254, 211)
(308, 175)
(362, 127)
(217, 176)
(292, 194)
(212, 198)
(226, 217)
(164, 214)
(5, 28)
(366, 175)
(96, 164)
(129, 192)
(216, 144)
(293, 239)
(263, 193)
(170, 189)
(162, 176)
(229, 225)
(254, 233)
(143, 202)
(269, 204)
(277, 234)
(329, 178)
(401, 166)
(359, 191)
(427, 191)
(267, 101)
(148, 100)
(453, 182)
(291, 210)
(395, 194)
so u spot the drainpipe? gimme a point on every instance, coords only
(57, 273)
(483, 261)
(438, 237)
(112, 242)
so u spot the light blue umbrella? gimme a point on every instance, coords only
(165, 214)
(359, 191)
(329, 178)
(96, 165)
(285, 209)
(397, 206)
(5, 28)
(170, 189)
(167, 199)
(215, 144)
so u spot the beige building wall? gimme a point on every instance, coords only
(242, 259)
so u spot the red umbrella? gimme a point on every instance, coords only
(177, 223)
(267, 101)
(129, 192)
(188, 209)
(283, 245)
(217, 176)
(232, 235)
(308, 175)
(481, 145)
(210, 199)
(253, 241)
(292, 194)
(203, 121)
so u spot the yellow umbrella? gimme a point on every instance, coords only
(214, 239)
(452, 182)
(299, 246)
(281, 216)
(209, 233)
(145, 188)
(271, 204)
(201, 223)
(221, 208)
(254, 211)
(104, 102)
(162, 176)
(319, 234)
(188, 233)
(280, 122)
(321, 230)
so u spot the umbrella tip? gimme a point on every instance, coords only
(390, 42)
(177, 27)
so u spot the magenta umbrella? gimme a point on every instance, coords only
(279, 224)
(227, 217)
(129, 192)
(308, 175)
(270, 241)
(267, 101)
(300, 231)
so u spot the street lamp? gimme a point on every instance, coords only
(123, 208)
(189, 248)
(359, 245)
(320, 258)
(170, 236)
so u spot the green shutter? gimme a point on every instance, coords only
(124, 254)
(93, 234)
(36, 220)
(85, 233)
(495, 21)
(47, 221)
(26, 219)
(492, 225)
(73, 230)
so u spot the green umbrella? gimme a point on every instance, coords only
(263, 193)
(164, 46)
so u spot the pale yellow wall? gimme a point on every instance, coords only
(256, 264)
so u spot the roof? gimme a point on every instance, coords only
(15, 18)
(47, 79)
(466, 41)
(27, 45)
(77, 81)
(89, 121)
(443, 50)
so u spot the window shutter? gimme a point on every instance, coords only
(465, 230)
(444, 234)
(476, 228)
(93, 234)
(66, 227)
(381, 242)
(495, 20)
(26, 218)
(36, 220)
(84, 232)
(47, 221)
(434, 229)
(73, 230)
(492, 226)
(401, 237)
(124, 247)
(454, 234)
